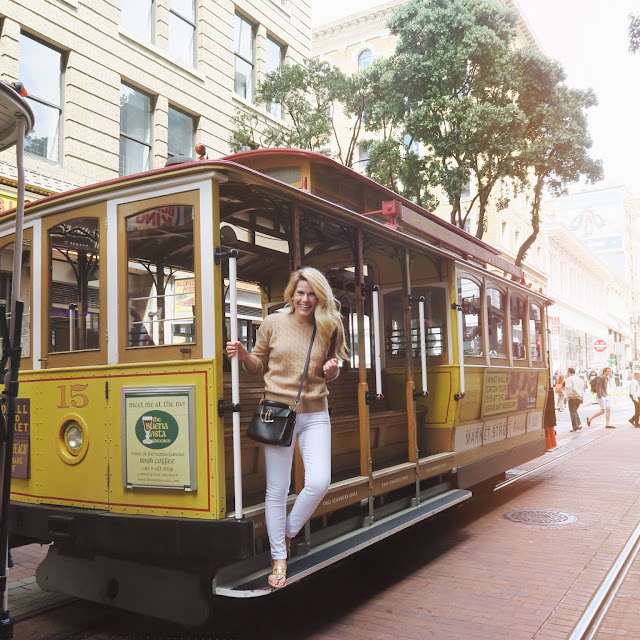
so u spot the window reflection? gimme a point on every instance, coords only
(41, 73)
(469, 299)
(535, 332)
(182, 30)
(74, 293)
(517, 328)
(496, 323)
(137, 17)
(161, 284)
(6, 283)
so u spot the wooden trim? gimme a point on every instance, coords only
(26, 362)
(159, 352)
(391, 478)
(90, 356)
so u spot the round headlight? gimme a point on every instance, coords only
(73, 438)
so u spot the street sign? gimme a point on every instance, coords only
(600, 346)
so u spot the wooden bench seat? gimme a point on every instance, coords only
(388, 434)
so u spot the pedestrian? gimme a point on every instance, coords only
(604, 400)
(279, 354)
(634, 392)
(575, 388)
(559, 390)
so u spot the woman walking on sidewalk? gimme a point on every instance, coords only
(559, 389)
(602, 382)
(634, 392)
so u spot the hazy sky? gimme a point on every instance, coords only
(589, 38)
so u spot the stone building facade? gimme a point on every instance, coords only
(120, 86)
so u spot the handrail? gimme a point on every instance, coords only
(423, 346)
(378, 337)
(458, 308)
(235, 388)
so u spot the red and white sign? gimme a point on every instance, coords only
(554, 325)
(600, 346)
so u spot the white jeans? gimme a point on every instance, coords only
(313, 432)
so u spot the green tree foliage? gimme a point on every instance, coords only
(456, 103)
(556, 140)
(455, 95)
(634, 33)
(308, 96)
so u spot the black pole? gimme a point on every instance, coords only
(12, 351)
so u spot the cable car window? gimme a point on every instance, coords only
(469, 299)
(435, 321)
(161, 283)
(535, 331)
(496, 323)
(74, 298)
(517, 328)
(6, 279)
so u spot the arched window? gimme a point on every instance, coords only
(364, 59)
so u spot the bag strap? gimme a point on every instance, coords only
(306, 366)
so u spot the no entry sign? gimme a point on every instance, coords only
(600, 345)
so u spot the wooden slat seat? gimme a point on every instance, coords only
(388, 433)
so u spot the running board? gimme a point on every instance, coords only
(254, 585)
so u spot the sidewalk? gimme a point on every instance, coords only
(25, 596)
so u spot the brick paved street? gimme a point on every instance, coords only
(470, 575)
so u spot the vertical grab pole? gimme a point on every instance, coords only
(376, 342)
(458, 308)
(423, 346)
(235, 387)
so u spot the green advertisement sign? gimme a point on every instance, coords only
(158, 437)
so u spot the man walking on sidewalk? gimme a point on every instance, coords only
(602, 382)
(575, 388)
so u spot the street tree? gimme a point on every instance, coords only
(304, 98)
(634, 32)
(557, 140)
(454, 94)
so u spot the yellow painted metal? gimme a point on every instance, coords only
(93, 396)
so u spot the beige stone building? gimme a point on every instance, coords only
(351, 44)
(118, 87)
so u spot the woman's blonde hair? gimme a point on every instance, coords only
(327, 312)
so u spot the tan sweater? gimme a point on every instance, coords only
(280, 353)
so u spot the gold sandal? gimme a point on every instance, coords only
(278, 573)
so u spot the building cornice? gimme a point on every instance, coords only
(379, 15)
(35, 182)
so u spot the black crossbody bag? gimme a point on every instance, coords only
(273, 421)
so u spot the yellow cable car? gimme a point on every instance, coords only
(132, 456)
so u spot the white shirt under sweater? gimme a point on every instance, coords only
(280, 353)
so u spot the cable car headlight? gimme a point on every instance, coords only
(72, 439)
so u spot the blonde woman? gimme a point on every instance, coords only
(279, 354)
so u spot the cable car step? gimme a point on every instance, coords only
(255, 584)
